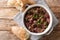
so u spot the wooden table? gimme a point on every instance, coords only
(7, 13)
(55, 7)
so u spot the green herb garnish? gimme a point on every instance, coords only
(35, 16)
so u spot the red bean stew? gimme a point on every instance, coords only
(36, 19)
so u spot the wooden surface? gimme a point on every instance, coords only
(55, 7)
(7, 13)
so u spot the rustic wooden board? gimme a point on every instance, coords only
(6, 24)
(8, 12)
(6, 35)
(55, 7)
(53, 3)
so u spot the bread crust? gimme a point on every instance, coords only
(20, 4)
(20, 33)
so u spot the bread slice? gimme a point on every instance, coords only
(20, 4)
(20, 33)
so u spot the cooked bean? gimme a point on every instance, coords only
(36, 19)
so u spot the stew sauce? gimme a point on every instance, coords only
(36, 19)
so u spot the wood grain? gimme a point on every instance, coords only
(53, 3)
(8, 12)
(55, 7)
(6, 24)
(6, 35)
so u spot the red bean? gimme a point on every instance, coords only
(48, 20)
(37, 19)
(46, 15)
(42, 20)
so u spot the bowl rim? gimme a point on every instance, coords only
(50, 24)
